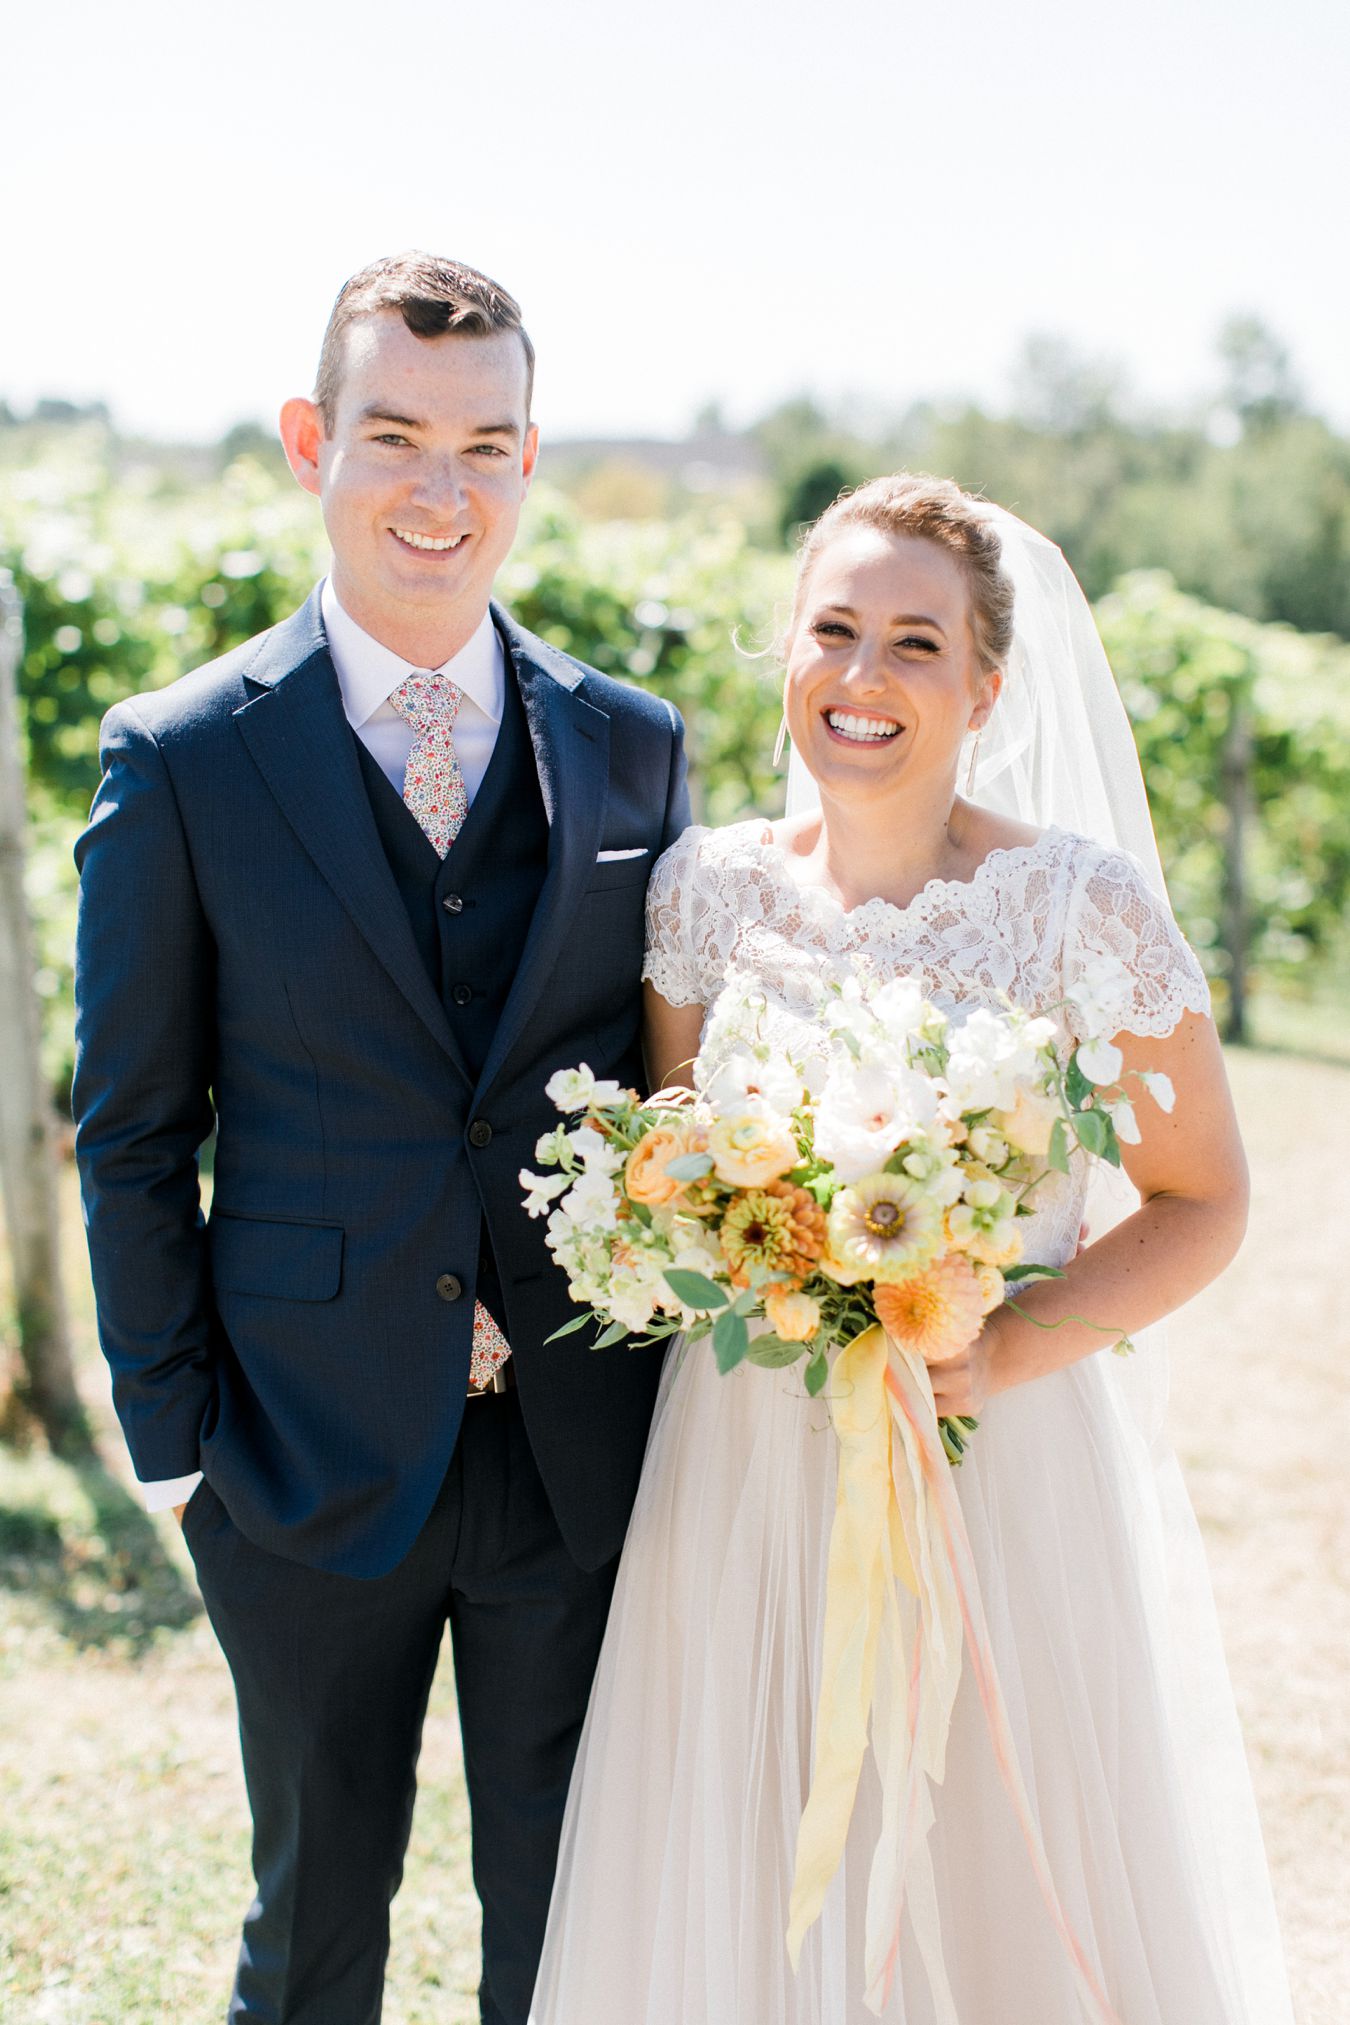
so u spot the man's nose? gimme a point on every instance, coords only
(441, 486)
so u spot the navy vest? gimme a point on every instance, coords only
(471, 911)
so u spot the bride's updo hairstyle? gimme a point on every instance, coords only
(931, 509)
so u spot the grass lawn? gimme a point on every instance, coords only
(123, 1829)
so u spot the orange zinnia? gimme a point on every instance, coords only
(936, 1311)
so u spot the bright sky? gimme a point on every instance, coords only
(732, 199)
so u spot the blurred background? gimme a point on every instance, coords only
(1081, 261)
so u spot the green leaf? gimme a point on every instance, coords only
(570, 1328)
(1032, 1273)
(1092, 1128)
(773, 1353)
(694, 1289)
(1058, 1154)
(689, 1166)
(614, 1334)
(817, 1371)
(1111, 1150)
(1076, 1084)
(731, 1341)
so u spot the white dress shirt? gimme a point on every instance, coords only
(368, 674)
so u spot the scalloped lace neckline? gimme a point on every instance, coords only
(877, 908)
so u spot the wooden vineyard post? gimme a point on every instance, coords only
(46, 1388)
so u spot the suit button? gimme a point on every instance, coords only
(461, 994)
(449, 1286)
(480, 1132)
(453, 904)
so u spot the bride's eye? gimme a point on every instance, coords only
(921, 641)
(824, 628)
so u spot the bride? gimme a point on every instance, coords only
(923, 619)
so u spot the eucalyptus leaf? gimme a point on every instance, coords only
(1076, 1084)
(614, 1334)
(1092, 1128)
(570, 1328)
(773, 1353)
(731, 1341)
(694, 1289)
(817, 1371)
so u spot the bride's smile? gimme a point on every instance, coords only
(883, 678)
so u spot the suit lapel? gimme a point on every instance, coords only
(571, 750)
(304, 748)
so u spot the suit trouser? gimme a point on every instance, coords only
(332, 1676)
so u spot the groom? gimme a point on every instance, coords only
(353, 894)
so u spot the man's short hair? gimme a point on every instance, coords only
(432, 296)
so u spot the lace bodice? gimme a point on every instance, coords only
(1026, 927)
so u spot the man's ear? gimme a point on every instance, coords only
(302, 433)
(529, 454)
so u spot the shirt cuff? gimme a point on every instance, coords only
(167, 1492)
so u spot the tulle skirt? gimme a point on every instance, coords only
(677, 1854)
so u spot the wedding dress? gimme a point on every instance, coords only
(677, 1855)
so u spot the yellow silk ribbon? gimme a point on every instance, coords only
(901, 1591)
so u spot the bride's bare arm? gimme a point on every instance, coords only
(1191, 1174)
(669, 1039)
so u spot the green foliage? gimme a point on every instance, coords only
(131, 574)
(1183, 668)
(686, 608)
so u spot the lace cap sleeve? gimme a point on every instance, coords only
(1155, 975)
(671, 962)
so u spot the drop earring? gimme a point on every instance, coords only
(974, 760)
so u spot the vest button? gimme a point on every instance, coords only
(461, 994)
(449, 1286)
(480, 1132)
(453, 904)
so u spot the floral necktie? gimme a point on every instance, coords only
(434, 790)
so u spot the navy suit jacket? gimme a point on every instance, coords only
(244, 956)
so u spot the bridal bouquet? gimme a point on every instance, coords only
(879, 1172)
(858, 1192)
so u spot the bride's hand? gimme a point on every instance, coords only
(964, 1382)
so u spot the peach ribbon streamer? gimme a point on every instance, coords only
(901, 1594)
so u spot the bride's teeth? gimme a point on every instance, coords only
(874, 728)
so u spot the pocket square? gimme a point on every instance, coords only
(608, 857)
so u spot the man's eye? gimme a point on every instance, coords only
(487, 450)
(396, 441)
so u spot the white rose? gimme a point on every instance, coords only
(743, 1076)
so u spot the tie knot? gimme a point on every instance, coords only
(427, 700)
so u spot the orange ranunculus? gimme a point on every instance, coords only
(794, 1317)
(645, 1177)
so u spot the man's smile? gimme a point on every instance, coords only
(434, 544)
